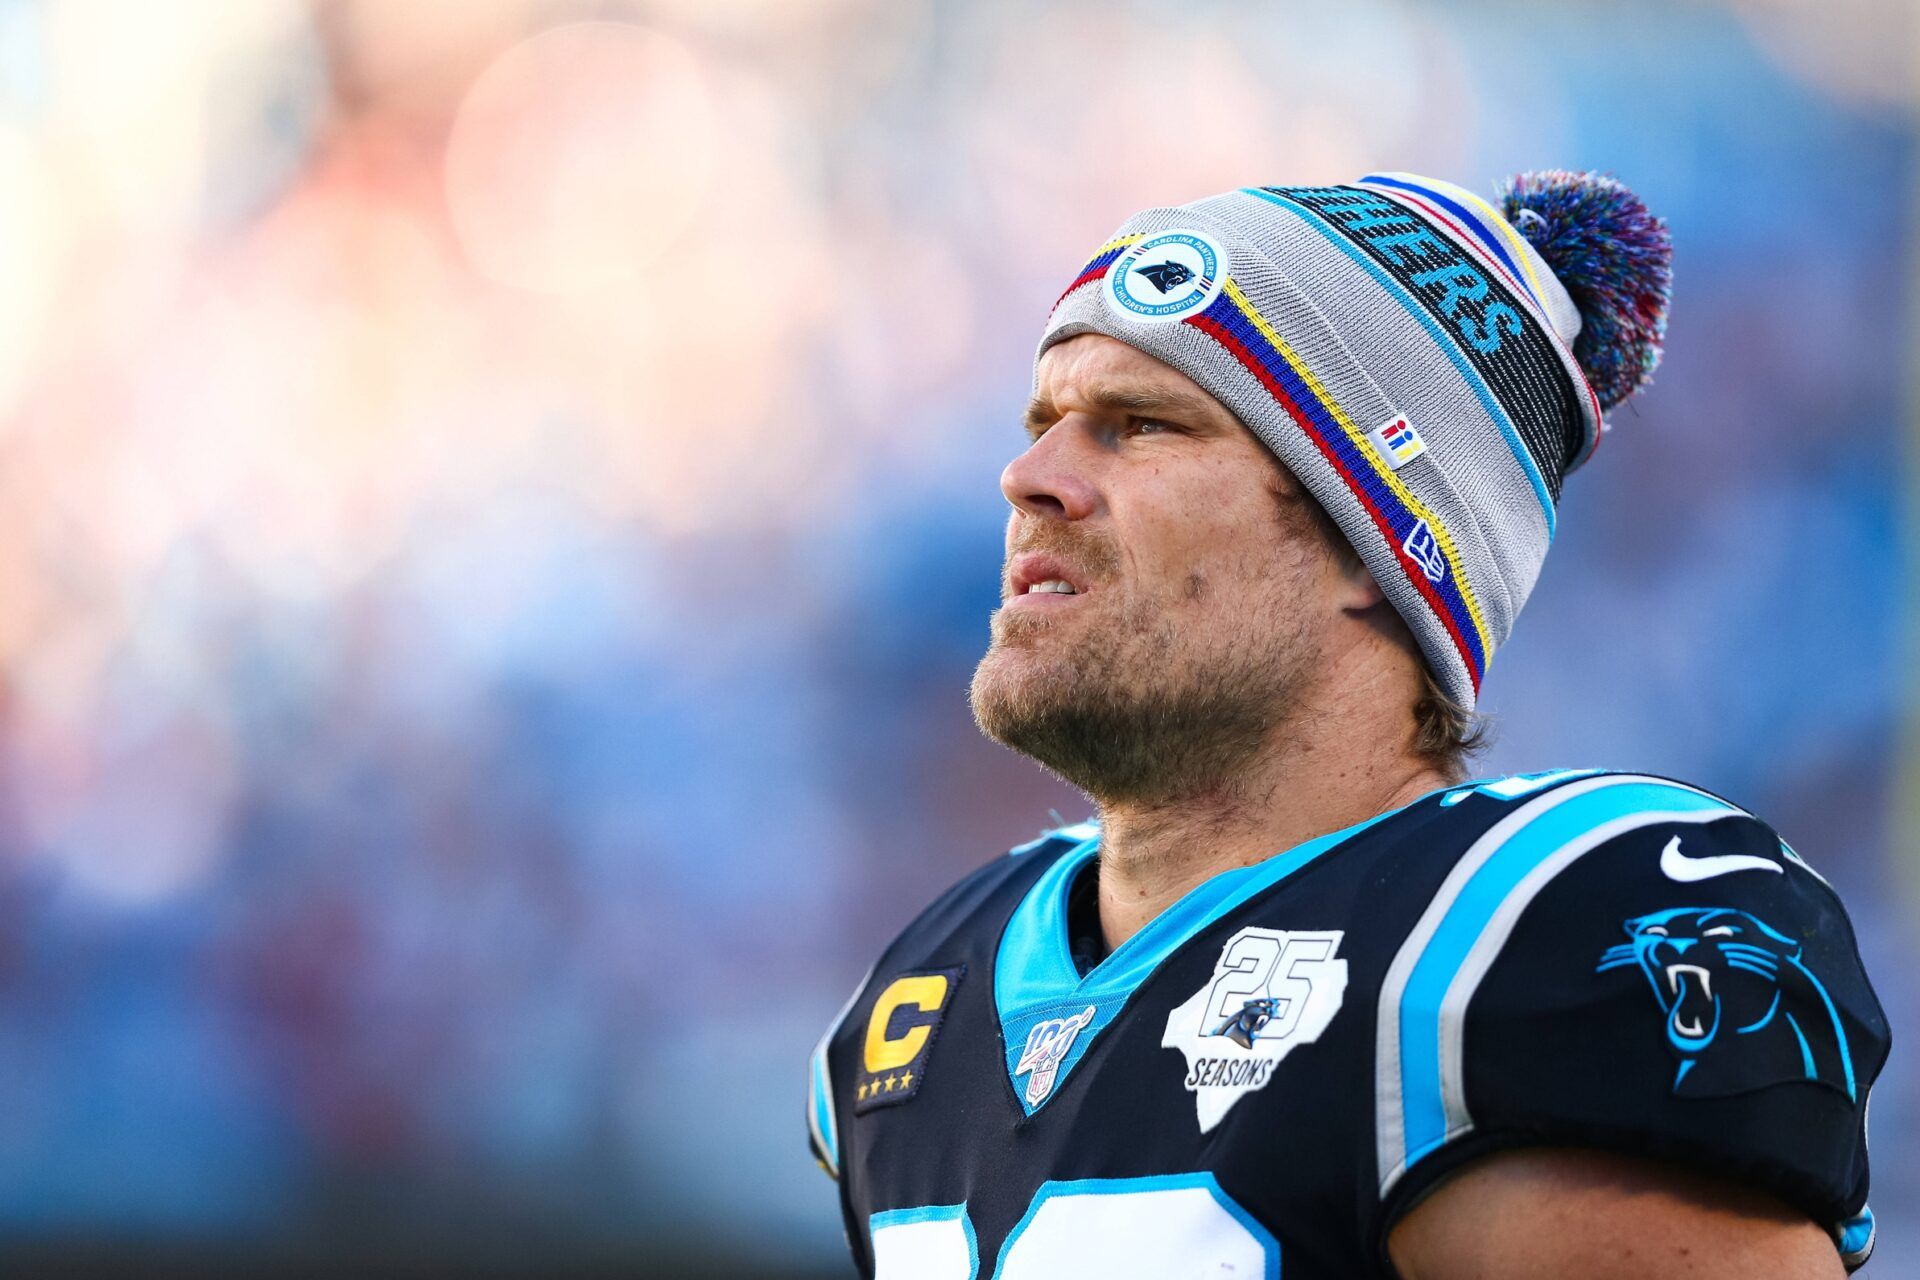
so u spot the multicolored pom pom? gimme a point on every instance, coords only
(1615, 260)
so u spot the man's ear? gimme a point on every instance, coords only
(1359, 593)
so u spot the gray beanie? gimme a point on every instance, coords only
(1428, 368)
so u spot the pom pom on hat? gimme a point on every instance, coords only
(1615, 260)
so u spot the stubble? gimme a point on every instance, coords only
(1146, 705)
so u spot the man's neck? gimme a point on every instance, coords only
(1305, 784)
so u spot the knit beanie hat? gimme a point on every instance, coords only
(1429, 367)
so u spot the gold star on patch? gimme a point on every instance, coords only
(861, 1093)
(890, 1083)
(906, 1080)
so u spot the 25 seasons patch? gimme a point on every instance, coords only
(1271, 991)
(900, 1031)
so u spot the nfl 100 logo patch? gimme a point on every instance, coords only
(1046, 1048)
(1271, 992)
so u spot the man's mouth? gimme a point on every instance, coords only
(1043, 579)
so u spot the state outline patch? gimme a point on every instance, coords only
(1272, 991)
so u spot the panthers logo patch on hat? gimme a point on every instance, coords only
(1166, 277)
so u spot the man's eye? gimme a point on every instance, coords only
(1151, 426)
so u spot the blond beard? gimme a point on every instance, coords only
(1126, 719)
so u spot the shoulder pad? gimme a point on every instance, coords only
(1610, 953)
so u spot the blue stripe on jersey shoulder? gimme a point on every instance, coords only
(1855, 1237)
(822, 1128)
(1420, 1048)
(1034, 977)
(1515, 785)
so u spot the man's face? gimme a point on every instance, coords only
(1167, 592)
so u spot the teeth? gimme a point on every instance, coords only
(1673, 979)
(1053, 586)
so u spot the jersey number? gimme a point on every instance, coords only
(1116, 1228)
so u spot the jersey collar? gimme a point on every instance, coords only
(1039, 994)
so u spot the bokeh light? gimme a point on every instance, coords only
(498, 507)
(579, 159)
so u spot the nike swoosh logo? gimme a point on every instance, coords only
(1678, 866)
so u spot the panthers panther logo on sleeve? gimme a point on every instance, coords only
(1742, 1010)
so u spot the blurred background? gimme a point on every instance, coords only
(498, 507)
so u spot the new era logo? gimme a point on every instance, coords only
(1424, 549)
(1397, 442)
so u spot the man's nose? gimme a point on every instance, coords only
(1053, 478)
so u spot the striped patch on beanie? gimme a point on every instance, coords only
(1097, 265)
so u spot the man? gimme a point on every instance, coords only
(1302, 1001)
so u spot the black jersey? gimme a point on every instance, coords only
(1284, 1060)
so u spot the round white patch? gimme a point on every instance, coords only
(1166, 277)
(1271, 992)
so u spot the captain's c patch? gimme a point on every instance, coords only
(900, 1032)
